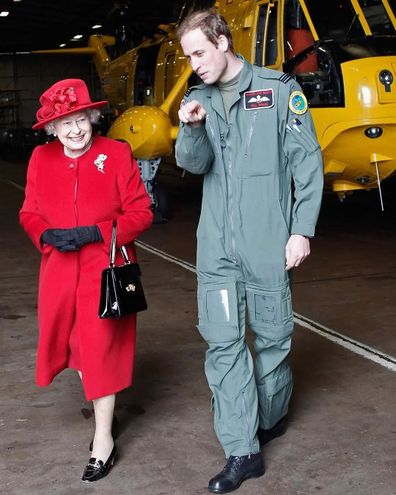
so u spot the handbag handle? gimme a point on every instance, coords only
(113, 247)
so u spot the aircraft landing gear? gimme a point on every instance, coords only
(161, 203)
(156, 191)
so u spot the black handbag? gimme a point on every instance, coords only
(121, 291)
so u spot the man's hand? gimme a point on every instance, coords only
(192, 113)
(297, 249)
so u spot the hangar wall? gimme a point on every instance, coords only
(23, 78)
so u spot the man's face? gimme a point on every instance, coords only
(207, 60)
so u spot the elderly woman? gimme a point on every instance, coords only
(76, 186)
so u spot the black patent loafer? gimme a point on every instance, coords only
(237, 470)
(114, 431)
(265, 436)
(97, 469)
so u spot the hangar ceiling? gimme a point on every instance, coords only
(42, 24)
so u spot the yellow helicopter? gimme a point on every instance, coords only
(342, 52)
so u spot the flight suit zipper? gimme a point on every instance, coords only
(231, 212)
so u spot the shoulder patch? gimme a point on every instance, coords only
(285, 78)
(298, 103)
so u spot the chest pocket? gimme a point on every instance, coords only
(259, 150)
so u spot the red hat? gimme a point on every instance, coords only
(63, 98)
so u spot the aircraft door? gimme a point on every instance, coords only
(379, 16)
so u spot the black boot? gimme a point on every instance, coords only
(237, 469)
(265, 436)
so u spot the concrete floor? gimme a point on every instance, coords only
(342, 432)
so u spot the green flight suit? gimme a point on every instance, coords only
(248, 213)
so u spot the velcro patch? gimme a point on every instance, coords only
(258, 99)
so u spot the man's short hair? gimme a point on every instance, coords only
(210, 22)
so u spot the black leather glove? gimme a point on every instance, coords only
(71, 239)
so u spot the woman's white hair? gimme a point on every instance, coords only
(93, 114)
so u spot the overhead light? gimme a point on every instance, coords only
(62, 45)
(77, 36)
(17, 0)
(4, 13)
(97, 26)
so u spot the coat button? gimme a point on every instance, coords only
(71, 165)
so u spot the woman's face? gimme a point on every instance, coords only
(75, 132)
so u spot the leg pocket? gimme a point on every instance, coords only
(218, 311)
(270, 309)
(274, 396)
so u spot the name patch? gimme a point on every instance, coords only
(260, 98)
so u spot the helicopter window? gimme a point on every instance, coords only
(145, 74)
(258, 59)
(267, 16)
(392, 5)
(319, 76)
(271, 45)
(298, 37)
(377, 17)
(335, 19)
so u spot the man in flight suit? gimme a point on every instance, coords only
(248, 129)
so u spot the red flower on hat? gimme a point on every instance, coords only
(64, 99)
(57, 103)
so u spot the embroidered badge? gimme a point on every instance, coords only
(260, 98)
(298, 103)
(99, 162)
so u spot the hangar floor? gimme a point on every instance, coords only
(342, 431)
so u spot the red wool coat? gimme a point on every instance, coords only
(62, 192)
